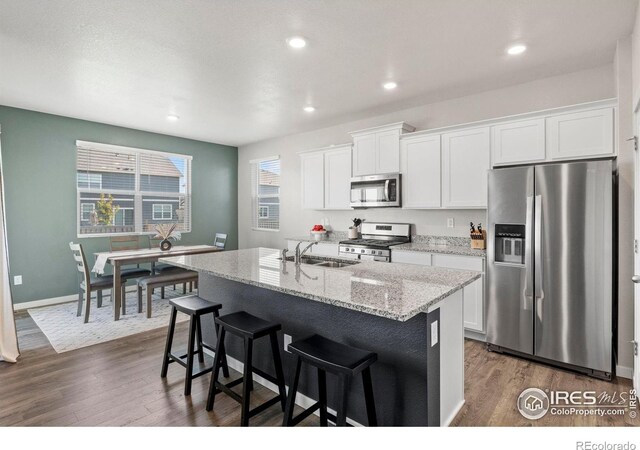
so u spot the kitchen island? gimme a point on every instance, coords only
(410, 315)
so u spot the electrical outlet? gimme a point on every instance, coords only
(434, 333)
(17, 280)
(287, 341)
(450, 222)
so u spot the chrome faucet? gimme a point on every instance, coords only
(298, 255)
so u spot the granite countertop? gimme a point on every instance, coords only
(445, 249)
(454, 245)
(392, 290)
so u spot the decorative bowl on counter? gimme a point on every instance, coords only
(318, 235)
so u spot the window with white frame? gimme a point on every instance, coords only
(122, 190)
(265, 183)
(162, 211)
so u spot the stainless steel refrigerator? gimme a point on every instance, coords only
(550, 271)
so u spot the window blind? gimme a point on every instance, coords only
(265, 183)
(123, 190)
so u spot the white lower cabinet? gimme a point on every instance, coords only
(473, 294)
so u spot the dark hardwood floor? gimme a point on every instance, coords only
(494, 381)
(118, 383)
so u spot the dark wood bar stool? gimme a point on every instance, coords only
(195, 307)
(345, 362)
(249, 328)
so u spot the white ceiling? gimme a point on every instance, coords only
(223, 65)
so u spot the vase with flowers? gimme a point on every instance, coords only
(167, 232)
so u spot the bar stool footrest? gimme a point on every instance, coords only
(197, 371)
(265, 375)
(268, 404)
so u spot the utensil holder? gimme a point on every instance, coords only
(353, 233)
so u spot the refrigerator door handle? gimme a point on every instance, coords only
(527, 293)
(538, 257)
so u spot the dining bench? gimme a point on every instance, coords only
(160, 281)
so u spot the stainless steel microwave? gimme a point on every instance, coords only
(376, 191)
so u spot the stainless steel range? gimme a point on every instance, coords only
(376, 240)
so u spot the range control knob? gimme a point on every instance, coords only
(362, 251)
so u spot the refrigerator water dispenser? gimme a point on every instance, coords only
(509, 243)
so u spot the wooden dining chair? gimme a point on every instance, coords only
(220, 240)
(123, 243)
(163, 269)
(88, 284)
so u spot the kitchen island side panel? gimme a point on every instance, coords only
(403, 391)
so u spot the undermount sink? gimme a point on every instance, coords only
(336, 264)
(323, 262)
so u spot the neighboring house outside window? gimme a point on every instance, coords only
(144, 187)
(265, 180)
(85, 210)
(162, 211)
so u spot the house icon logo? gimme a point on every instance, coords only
(533, 403)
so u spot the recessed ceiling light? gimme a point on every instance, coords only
(390, 85)
(516, 49)
(173, 117)
(297, 42)
(309, 109)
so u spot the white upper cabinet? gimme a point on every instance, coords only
(518, 142)
(420, 167)
(388, 154)
(337, 178)
(364, 155)
(377, 150)
(312, 180)
(326, 177)
(465, 162)
(581, 134)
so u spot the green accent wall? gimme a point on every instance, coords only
(38, 161)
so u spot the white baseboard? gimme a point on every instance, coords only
(475, 335)
(454, 413)
(45, 302)
(624, 372)
(58, 300)
(301, 400)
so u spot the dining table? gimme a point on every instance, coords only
(119, 258)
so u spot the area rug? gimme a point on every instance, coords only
(65, 331)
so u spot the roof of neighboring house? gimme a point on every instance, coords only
(268, 178)
(89, 161)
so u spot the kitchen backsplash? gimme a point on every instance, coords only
(442, 240)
